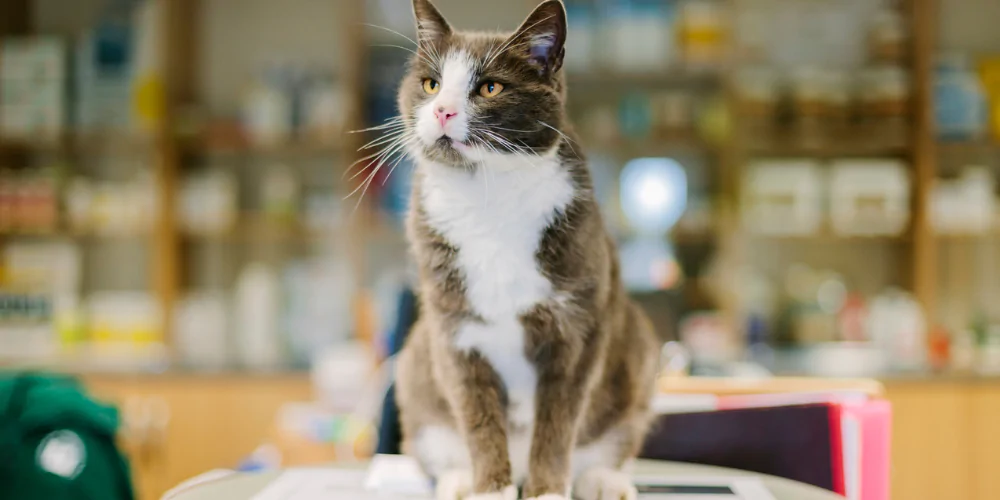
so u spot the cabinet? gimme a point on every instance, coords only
(198, 423)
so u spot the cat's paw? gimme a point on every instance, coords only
(454, 485)
(604, 484)
(508, 493)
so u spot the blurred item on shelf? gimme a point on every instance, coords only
(888, 36)
(39, 297)
(708, 339)
(201, 330)
(638, 35)
(869, 197)
(112, 207)
(885, 102)
(208, 203)
(280, 192)
(703, 32)
(33, 89)
(784, 197)
(758, 94)
(285, 104)
(989, 74)
(959, 99)
(965, 205)
(819, 105)
(898, 326)
(257, 316)
(29, 201)
(582, 35)
(124, 318)
(117, 70)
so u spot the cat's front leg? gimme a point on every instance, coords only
(559, 399)
(478, 401)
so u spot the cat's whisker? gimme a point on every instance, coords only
(417, 53)
(390, 123)
(384, 138)
(379, 162)
(375, 157)
(569, 141)
(390, 30)
(402, 155)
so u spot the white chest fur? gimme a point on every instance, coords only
(495, 217)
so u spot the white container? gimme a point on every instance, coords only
(258, 307)
(869, 197)
(784, 197)
(201, 330)
(638, 38)
(897, 325)
(965, 206)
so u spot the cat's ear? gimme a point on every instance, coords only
(543, 36)
(431, 25)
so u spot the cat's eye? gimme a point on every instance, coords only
(491, 89)
(431, 86)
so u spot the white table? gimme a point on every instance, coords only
(245, 486)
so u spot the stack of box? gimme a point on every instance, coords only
(33, 82)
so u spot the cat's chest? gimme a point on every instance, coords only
(496, 220)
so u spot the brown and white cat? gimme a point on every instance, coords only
(529, 365)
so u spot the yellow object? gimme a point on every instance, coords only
(989, 74)
(149, 102)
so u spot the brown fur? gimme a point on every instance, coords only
(595, 354)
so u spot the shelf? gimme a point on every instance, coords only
(605, 80)
(845, 149)
(103, 142)
(296, 148)
(653, 146)
(74, 235)
(825, 237)
(965, 148)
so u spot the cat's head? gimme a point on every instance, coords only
(471, 96)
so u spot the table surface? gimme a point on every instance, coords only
(245, 486)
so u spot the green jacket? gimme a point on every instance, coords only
(58, 444)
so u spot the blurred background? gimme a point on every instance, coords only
(798, 187)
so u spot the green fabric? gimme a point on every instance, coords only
(58, 444)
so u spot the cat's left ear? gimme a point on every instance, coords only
(543, 36)
(431, 25)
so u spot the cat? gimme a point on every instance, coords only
(529, 366)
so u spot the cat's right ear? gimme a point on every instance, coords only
(431, 25)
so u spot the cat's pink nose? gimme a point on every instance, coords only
(444, 114)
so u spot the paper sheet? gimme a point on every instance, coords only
(399, 478)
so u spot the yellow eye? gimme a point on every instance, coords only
(431, 86)
(491, 89)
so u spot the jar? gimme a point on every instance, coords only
(887, 37)
(810, 106)
(673, 114)
(884, 106)
(758, 96)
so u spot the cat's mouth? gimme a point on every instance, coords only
(447, 142)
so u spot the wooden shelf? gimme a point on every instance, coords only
(965, 148)
(605, 80)
(838, 149)
(88, 143)
(297, 148)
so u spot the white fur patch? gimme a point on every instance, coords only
(497, 233)
(550, 497)
(454, 485)
(508, 493)
(457, 72)
(604, 484)
(441, 450)
(602, 453)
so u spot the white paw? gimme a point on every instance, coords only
(508, 493)
(454, 485)
(604, 484)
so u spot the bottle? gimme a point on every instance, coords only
(258, 305)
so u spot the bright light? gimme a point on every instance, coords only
(653, 194)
